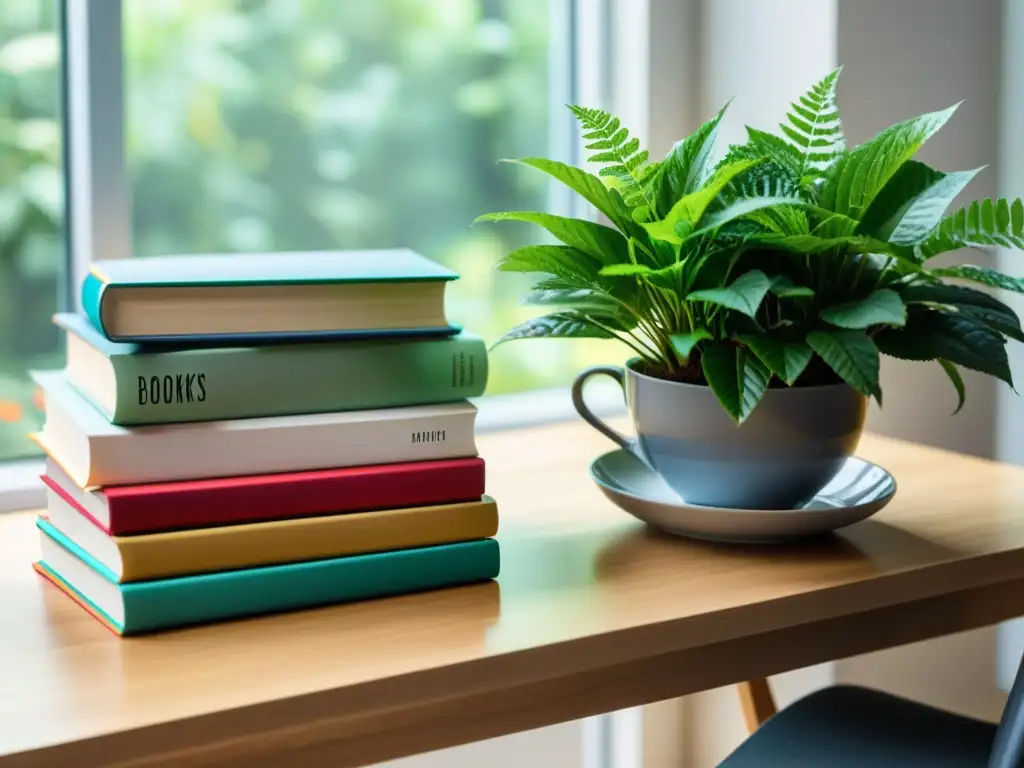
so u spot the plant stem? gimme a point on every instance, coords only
(689, 314)
(637, 345)
(860, 268)
(885, 268)
(663, 307)
(659, 336)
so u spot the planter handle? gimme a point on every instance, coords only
(617, 373)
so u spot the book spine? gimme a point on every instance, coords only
(149, 508)
(210, 597)
(92, 301)
(183, 452)
(235, 383)
(231, 547)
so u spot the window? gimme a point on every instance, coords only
(252, 125)
(285, 125)
(31, 213)
(256, 125)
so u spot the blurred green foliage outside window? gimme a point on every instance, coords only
(261, 125)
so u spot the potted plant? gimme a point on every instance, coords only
(758, 292)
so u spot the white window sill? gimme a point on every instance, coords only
(20, 487)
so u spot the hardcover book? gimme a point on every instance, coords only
(94, 452)
(232, 297)
(123, 510)
(158, 384)
(231, 547)
(166, 603)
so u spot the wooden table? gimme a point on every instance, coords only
(591, 614)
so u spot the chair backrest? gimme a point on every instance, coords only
(1008, 747)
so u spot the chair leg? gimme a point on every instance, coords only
(757, 701)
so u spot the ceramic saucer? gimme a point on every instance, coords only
(857, 491)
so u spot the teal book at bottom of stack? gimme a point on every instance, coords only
(147, 606)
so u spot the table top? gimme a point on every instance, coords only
(583, 586)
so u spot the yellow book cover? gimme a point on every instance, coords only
(230, 547)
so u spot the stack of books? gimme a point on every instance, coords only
(243, 434)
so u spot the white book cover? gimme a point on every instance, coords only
(94, 452)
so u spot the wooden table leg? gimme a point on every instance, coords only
(757, 701)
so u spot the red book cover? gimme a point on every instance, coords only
(223, 501)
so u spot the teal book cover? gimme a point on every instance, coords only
(148, 606)
(163, 384)
(263, 269)
(298, 267)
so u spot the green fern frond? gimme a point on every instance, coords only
(984, 223)
(623, 160)
(768, 179)
(778, 176)
(781, 152)
(737, 152)
(814, 128)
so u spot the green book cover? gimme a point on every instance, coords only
(162, 384)
(145, 606)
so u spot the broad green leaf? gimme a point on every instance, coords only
(861, 174)
(596, 240)
(590, 188)
(683, 343)
(814, 128)
(832, 225)
(737, 378)
(812, 244)
(742, 207)
(984, 223)
(931, 334)
(555, 292)
(982, 275)
(912, 203)
(1001, 322)
(567, 325)
(685, 166)
(625, 270)
(669, 278)
(784, 287)
(882, 307)
(560, 260)
(852, 355)
(786, 359)
(904, 344)
(745, 294)
(935, 292)
(981, 306)
(689, 209)
(958, 383)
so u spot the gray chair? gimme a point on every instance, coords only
(851, 727)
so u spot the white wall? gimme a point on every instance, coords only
(901, 58)
(904, 58)
(1010, 421)
(750, 53)
(930, 54)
